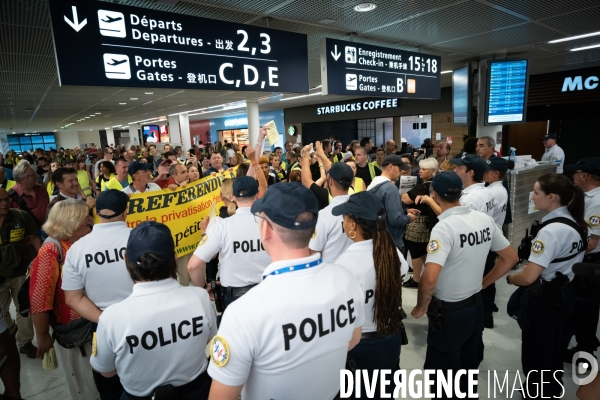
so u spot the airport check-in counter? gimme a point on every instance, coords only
(520, 187)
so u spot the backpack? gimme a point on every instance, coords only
(23, 295)
(524, 250)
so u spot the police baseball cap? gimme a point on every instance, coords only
(113, 200)
(342, 174)
(284, 202)
(245, 186)
(395, 159)
(447, 183)
(549, 136)
(498, 164)
(473, 162)
(150, 237)
(364, 205)
(589, 165)
(138, 166)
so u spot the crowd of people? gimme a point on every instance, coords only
(127, 319)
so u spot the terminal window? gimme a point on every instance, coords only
(366, 128)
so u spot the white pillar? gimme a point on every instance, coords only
(110, 137)
(174, 132)
(184, 126)
(253, 121)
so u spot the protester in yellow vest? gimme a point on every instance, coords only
(122, 179)
(86, 182)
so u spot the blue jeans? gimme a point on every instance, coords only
(459, 345)
(379, 353)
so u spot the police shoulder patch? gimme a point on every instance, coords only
(594, 221)
(537, 247)
(219, 351)
(203, 240)
(433, 246)
(314, 235)
(94, 345)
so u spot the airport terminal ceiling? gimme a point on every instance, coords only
(458, 31)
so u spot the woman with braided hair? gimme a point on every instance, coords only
(378, 267)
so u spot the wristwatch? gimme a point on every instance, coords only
(259, 143)
(508, 280)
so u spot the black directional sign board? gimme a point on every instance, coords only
(106, 44)
(355, 69)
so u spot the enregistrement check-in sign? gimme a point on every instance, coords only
(105, 44)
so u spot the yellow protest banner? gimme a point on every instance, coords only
(182, 210)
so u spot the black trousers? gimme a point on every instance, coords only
(109, 388)
(489, 293)
(583, 321)
(541, 345)
(460, 343)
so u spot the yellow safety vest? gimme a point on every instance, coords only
(50, 188)
(359, 186)
(114, 183)
(84, 182)
(9, 184)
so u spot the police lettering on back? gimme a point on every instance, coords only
(248, 246)
(308, 326)
(150, 339)
(475, 238)
(102, 257)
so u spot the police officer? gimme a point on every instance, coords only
(557, 246)
(449, 290)
(94, 274)
(329, 238)
(470, 168)
(161, 324)
(238, 243)
(277, 343)
(493, 178)
(583, 321)
(553, 153)
(378, 267)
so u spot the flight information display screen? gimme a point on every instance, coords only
(507, 92)
(461, 95)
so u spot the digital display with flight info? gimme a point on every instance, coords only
(507, 92)
(461, 95)
(356, 69)
(106, 44)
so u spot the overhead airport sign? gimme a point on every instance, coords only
(106, 44)
(349, 68)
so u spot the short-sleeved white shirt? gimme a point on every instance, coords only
(556, 241)
(460, 243)
(282, 342)
(150, 187)
(555, 155)
(96, 264)
(592, 214)
(230, 153)
(358, 259)
(329, 237)
(478, 198)
(242, 259)
(156, 336)
(500, 197)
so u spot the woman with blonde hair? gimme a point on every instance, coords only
(68, 221)
(51, 188)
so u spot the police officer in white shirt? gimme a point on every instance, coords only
(470, 168)
(329, 239)
(494, 177)
(156, 338)
(142, 180)
(289, 336)
(553, 152)
(449, 290)
(237, 241)
(378, 267)
(94, 275)
(583, 321)
(547, 275)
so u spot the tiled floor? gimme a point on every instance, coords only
(502, 353)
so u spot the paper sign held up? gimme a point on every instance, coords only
(272, 133)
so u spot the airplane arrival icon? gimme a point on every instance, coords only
(116, 66)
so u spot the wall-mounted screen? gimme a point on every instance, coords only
(507, 92)
(150, 133)
(462, 95)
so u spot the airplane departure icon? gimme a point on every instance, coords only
(111, 23)
(351, 82)
(116, 66)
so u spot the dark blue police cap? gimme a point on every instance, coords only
(473, 162)
(447, 183)
(589, 165)
(498, 164)
(364, 205)
(342, 174)
(138, 166)
(549, 136)
(284, 202)
(245, 186)
(150, 237)
(113, 200)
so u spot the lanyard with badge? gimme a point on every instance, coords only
(293, 268)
